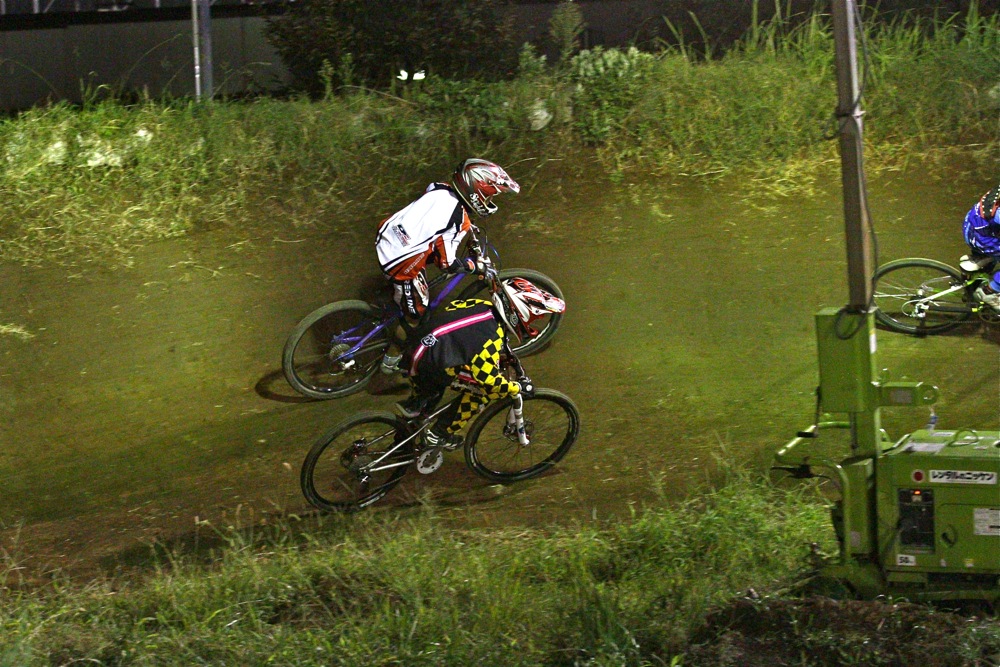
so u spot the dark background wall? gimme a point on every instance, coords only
(155, 56)
(54, 56)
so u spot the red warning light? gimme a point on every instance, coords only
(918, 476)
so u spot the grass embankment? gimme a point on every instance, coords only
(110, 176)
(411, 590)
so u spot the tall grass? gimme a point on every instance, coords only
(910, 58)
(769, 100)
(110, 175)
(412, 591)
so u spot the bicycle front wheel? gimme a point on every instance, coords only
(545, 325)
(354, 465)
(551, 422)
(335, 350)
(920, 296)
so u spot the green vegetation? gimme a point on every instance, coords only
(16, 331)
(412, 590)
(112, 175)
(366, 42)
(371, 590)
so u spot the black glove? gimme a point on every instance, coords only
(527, 386)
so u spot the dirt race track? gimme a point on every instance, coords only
(149, 396)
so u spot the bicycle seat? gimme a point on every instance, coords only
(975, 262)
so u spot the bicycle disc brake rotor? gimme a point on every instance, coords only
(430, 460)
(510, 431)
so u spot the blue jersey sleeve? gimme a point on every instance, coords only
(982, 234)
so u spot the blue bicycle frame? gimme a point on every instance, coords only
(392, 315)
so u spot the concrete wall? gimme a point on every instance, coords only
(154, 56)
(52, 63)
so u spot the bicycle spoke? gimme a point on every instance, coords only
(355, 464)
(920, 296)
(335, 350)
(551, 424)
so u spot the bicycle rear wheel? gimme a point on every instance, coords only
(546, 325)
(492, 449)
(920, 296)
(335, 350)
(345, 470)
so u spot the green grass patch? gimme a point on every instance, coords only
(79, 183)
(412, 590)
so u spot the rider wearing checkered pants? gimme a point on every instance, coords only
(462, 339)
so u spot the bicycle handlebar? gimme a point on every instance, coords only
(480, 246)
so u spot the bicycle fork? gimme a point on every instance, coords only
(515, 421)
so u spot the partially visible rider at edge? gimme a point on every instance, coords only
(982, 233)
(463, 338)
(431, 229)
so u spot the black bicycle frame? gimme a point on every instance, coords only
(969, 285)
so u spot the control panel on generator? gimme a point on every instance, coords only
(941, 497)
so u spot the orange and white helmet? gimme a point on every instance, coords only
(527, 303)
(477, 181)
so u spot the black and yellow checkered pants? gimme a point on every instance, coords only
(485, 370)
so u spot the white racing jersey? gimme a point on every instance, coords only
(432, 227)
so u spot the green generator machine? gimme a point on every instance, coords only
(917, 517)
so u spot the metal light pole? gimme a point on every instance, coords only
(847, 341)
(858, 226)
(201, 28)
